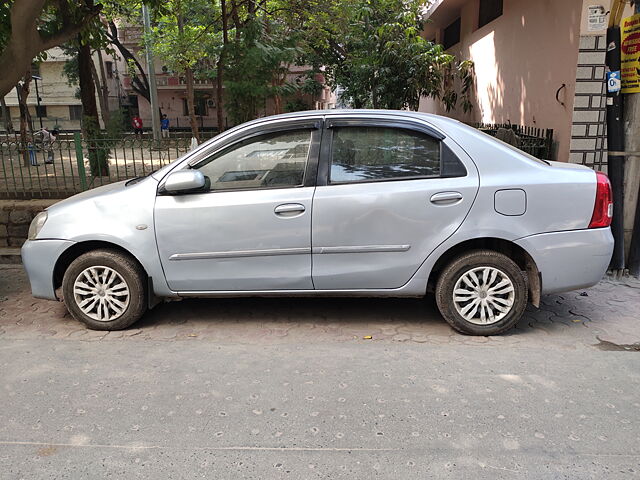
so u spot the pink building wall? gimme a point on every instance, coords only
(521, 60)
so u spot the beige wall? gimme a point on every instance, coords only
(521, 59)
(584, 22)
(56, 93)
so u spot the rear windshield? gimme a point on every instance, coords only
(514, 149)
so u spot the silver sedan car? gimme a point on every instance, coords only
(334, 203)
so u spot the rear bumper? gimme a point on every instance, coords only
(570, 260)
(39, 258)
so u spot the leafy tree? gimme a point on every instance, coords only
(179, 37)
(30, 27)
(374, 51)
(259, 47)
(259, 62)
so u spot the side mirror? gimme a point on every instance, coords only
(184, 181)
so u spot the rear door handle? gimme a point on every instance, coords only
(446, 198)
(289, 209)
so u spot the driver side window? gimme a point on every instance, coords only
(274, 160)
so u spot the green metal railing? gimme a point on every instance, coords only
(71, 165)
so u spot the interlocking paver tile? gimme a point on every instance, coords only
(608, 312)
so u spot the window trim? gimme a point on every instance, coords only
(108, 66)
(480, 24)
(311, 168)
(324, 166)
(78, 117)
(444, 30)
(41, 111)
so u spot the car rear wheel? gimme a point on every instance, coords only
(482, 293)
(104, 289)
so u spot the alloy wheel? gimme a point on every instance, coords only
(484, 295)
(101, 293)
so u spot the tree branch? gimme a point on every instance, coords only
(140, 86)
(26, 41)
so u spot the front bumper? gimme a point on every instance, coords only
(39, 258)
(570, 260)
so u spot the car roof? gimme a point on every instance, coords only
(430, 117)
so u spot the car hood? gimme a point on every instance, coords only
(98, 193)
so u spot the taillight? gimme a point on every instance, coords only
(603, 208)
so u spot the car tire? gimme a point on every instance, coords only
(105, 290)
(482, 292)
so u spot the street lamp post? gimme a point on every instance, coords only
(36, 78)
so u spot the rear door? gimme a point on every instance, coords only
(389, 192)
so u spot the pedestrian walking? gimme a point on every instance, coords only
(136, 122)
(164, 126)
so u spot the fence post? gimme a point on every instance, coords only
(549, 143)
(80, 161)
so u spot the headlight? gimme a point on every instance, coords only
(36, 225)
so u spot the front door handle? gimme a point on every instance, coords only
(289, 209)
(446, 198)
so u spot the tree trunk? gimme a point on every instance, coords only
(104, 107)
(6, 115)
(236, 19)
(188, 74)
(25, 41)
(277, 101)
(87, 89)
(139, 80)
(90, 127)
(221, 60)
(219, 111)
(106, 113)
(22, 91)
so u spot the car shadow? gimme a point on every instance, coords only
(285, 310)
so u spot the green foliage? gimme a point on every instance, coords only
(100, 142)
(5, 25)
(296, 105)
(183, 47)
(257, 68)
(374, 51)
(257, 56)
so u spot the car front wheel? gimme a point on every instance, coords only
(482, 293)
(104, 289)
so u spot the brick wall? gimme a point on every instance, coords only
(588, 131)
(15, 217)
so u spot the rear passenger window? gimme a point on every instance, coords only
(381, 153)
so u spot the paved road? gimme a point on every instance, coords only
(281, 388)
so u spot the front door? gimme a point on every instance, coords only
(252, 229)
(387, 196)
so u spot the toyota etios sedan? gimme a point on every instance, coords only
(340, 203)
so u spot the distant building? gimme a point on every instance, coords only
(60, 105)
(537, 63)
(172, 90)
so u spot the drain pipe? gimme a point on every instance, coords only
(615, 137)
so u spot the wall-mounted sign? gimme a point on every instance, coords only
(596, 18)
(630, 54)
(613, 82)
